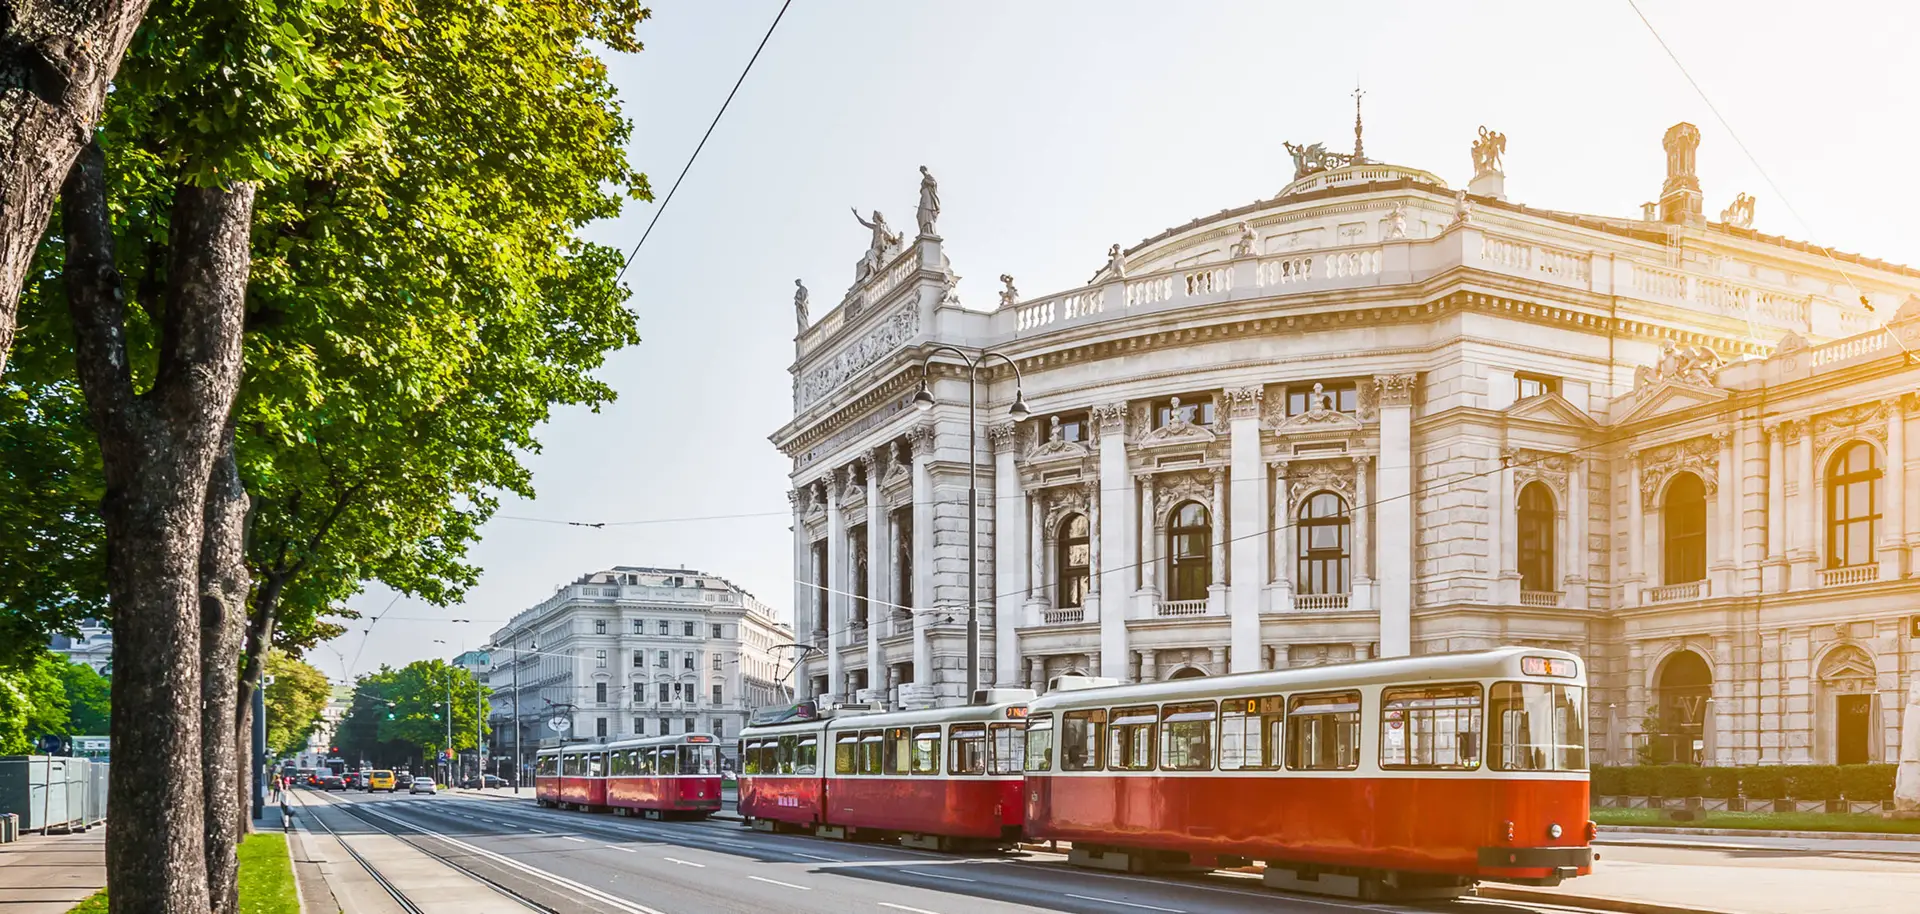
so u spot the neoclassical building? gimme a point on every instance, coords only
(1371, 415)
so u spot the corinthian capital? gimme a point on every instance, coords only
(1396, 389)
(1003, 436)
(1244, 402)
(1110, 418)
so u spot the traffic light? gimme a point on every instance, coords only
(436, 715)
(389, 715)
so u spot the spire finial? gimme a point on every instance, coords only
(1359, 147)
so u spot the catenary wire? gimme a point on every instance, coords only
(702, 145)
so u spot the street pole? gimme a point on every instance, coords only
(449, 753)
(259, 749)
(516, 712)
(479, 736)
(924, 401)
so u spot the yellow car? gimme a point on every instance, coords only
(380, 780)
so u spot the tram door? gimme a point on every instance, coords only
(1852, 714)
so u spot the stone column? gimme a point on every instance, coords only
(1010, 552)
(1037, 585)
(922, 443)
(1775, 578)
(1119, 552)
(1037, 673)
(876, 570)
(1502, 545)
(1893, 522)
(836, 582)
(1247, 509)
(1149, 669)
(1217, 590)
(1636, 534)
(1219, 660)
(1910, 487)
(1803, 496)
(803, 580)
(1283, 520)
(1577, 549)
(1362, 515)
(1724, 540)
(1395, 513)
(1150, 547)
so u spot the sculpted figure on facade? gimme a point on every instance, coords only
(1462, 208)
(1249, 243)
(1009, 296)
(1116, 263)
(1692, 365)
(800, 305)
(1740, 213)
(1699, 456)
(880, 247)
(1396, 222)
(1487, 151)
(929, 210)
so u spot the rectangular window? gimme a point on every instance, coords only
(1188, 745)
(846, 753)
(599, 626)
(716, 694)
(690, 728)
(666, 761)
(1250, 733)
(639, 659)
(1538, 727)
(1430, 727)
(617, 765)
(639, 726)
(600, 659)
(686, 629)
(926, 750)
(639, 626)
(713, 631)
(1132, 738)
(600, 692)
(1072, 427)
(1006, 752)
(661, 659)
(663, 693)
(1534, 385)
(1040, 743)
(1194, 409)
(1082, 735)
(871, 750)
(1324, 732)
(805, 754)
(899, 751)
(1336, 397)
(749, 756)
(969, 749)
(666, 628)
(639, 694)
(600, 727)
(716, 663)
(719, 726)
(687, 661)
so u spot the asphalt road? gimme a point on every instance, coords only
(571, 861)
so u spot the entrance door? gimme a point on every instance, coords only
(1852, 716)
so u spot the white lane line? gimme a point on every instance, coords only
(937, 876)
(778, 882)
(536, 831)
(684, 862)
(729, 843)
(815, 857)
(901, 907)
(616, 847)
(1130, 904)
(572, 838)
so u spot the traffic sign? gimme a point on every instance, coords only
(559, 724)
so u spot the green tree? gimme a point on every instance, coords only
(295, 700)
(33, 703)
(89, 706)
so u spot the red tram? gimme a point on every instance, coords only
(1408, 777)
(654, 776)
(940, 779)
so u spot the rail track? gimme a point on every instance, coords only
(400, 897)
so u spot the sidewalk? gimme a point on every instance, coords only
(1735, 839)
(52, 873)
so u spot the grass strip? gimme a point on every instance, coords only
(1760, 821)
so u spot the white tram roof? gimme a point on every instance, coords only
(956, 714)
(677, 739)
(1498, 663)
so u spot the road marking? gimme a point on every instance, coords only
(729, 843)
(572, 838)
(1130, 904)
(901, 907)
(616, 847)
(536, 831)
(778, 882)
(938, 876)
(815, 857)
(684, 862)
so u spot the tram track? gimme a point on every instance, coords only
(399, 896)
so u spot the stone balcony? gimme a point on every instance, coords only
(1676, 593)
(1851, 574)
(1545, 599)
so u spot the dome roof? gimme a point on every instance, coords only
(1363, 173)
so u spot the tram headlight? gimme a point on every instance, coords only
(1553, 831)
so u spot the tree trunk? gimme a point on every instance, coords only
(157, 452)
(253, 665)
(56, 60)
(223, 614)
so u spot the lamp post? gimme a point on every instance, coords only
(923, 400)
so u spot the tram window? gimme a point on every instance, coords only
(1188, 742)
(783, 755)
(750, 756)
(871, 750)
(617, 765)
(926, 750)
(700, 759)
(1538, 727)
(969, 749)
(596, 764)
(1006, 753)
(1430, 727)
(846, 753)
(805, 753)
(1324, 733)
(1040, 744)
(1133, 731)
(1250, 733)
(1082, 736)
(897, 759)
(666, 764)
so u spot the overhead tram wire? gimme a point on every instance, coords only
(1766, 176)
(703, 144)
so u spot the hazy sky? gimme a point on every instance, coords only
(1058, 128)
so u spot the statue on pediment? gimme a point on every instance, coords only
(884, 242)
(1314, 157)
(800, 305)
(1693, 365)
(1487, 152)
(929, 210)
(1462, 208)
(1009, 296)
(1740, 213)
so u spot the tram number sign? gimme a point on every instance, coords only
(559, 724)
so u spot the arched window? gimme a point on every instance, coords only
(1683, 521)
(1536, 537)
(1072, 556)
(1853, 480)
(1324, 550)
(1189, 553)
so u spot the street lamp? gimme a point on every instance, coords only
(923, 401)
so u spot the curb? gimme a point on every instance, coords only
(1619, 905)
(1604, 830)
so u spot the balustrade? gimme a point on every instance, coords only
(1545, 598)
(1854, 347)
(1364, 262)
(1180, 608)
(1322, 601)
(1063, 616)
(1503, 253)
(1035, 316)
(1673, 593)
(1149, 291)
(1283, 271)
(1852, 574)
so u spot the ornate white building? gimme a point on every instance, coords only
(1369, 416)
(634, 651)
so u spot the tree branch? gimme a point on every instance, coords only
(96, 298)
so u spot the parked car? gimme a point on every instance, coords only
(332, 782)
(423, 785)
(485, 781)
(380, 780)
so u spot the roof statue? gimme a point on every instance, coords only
(1116, 263)
(1487, 151)
(1740, 213)
(1462, 208)
(1315, 157)
(929, 210)
(1249, 243)
(1396, 222)
(800, 304)
(884, 242)
(1009, 296)
(1693, 365)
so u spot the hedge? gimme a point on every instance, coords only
(1764, 782)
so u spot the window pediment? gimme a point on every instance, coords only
(1671, 396)
(1550, 408)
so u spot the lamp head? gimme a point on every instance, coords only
(923, 399)
(1019, 410)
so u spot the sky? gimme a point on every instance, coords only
(1058, 128)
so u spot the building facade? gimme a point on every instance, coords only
(92, 645)
(1373, 415)
(634, 651)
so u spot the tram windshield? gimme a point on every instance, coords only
(1538, 726)
(699, 759)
